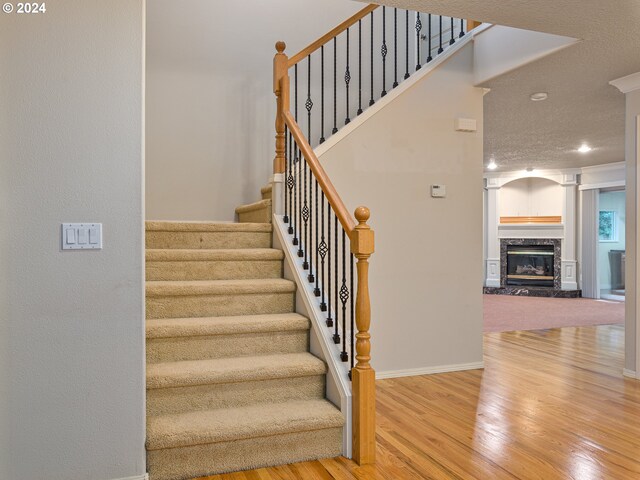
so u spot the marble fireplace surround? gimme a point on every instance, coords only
(557, 257)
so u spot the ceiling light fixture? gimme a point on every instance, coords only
(585, 148)
(492, 164)
(539, 96)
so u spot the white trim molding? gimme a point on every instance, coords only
(137, 477)
(630, 374)
(627, 84)
(413, 372)
(277, 194)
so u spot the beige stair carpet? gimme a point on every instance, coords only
(231, 384)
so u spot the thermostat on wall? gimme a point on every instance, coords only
(438, 191)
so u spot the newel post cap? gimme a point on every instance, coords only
(280, 46)
(362, 235)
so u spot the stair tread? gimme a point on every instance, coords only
(241, 324)
(218, 287)
(193, 254)
(176, 226)
(233, 370)
(249, 207)
(229, 424)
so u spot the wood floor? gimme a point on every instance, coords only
(550, 404)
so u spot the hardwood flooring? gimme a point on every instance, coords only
(550, 404)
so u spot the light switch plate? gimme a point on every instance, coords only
(438, 191)
(81, 236)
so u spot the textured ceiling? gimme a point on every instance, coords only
(582, 106)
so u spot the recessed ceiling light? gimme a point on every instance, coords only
(492, 164)
(585, 148)
(539, 96)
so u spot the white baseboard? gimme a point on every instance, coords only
(630, 373)
(412, 372)
(137, 477)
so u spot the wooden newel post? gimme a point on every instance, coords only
(363, 376)
(281, 89)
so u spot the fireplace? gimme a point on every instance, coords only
(530, 265)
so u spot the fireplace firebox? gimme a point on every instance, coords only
(530, 265)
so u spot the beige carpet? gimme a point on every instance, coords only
(504, 313)
(231, 384)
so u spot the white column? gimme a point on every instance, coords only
(630, 86)
(589, 261)
(569, 212)
(493, 242)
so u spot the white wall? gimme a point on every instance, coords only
(533, 196)
(426, 300)
(631, 299)
(614, 201)
(210, 105)
(71, 324)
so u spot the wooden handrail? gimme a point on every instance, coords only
(346, 220)
(308, 50)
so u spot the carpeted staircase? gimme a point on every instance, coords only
(231, 384)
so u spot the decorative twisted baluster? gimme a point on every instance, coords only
(383, 51)
(418, 29)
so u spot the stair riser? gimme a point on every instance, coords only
(162, 401)
(209, 240)
(211, 459)
(220, 346)
(213, 270)
(218, 305)
(260, 215)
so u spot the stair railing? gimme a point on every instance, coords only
(322, 228)
(317, 220)
(358, 62)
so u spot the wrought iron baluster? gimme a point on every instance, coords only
(430, 35)
(347, 81)
(309, 103)
(344, 297)
(461, 28)
(310, 277)
(316, 291)
(336, 334)
(297, 160)
(335, 86)
(322, 139)
(383, 51)
(285, 219)
(395, 47)
(296, 194)
(371, 101)
(418, 29)
(305, 218)
(453, 35)
(322, 250)
(440, 50)
(406, 74)
(359, 67)
(329, 318)
(290, 184)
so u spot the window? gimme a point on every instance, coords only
(608, 229)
